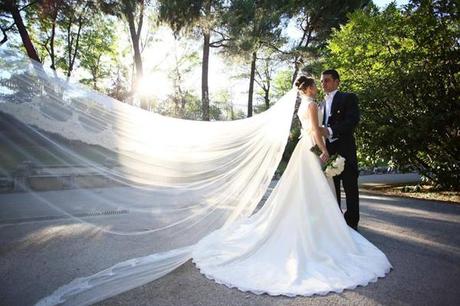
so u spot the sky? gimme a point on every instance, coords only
(383, 3)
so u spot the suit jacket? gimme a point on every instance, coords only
(343, 120)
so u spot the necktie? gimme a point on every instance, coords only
(325, 114)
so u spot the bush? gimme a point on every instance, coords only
(403, 65)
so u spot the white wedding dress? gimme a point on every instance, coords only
(298, 243)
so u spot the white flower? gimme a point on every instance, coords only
(335, 167)
(330, 172)
(339, 163)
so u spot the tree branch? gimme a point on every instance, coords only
(27, 5)
(69, 44)
(141, 20)
(5, 37)
(217, 44)
(80, 25)
(226, 37)
(271, 45)
(45, 45)
(221, 41)
(4, 30)
(261, 85)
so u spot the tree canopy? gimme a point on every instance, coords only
(403, 64)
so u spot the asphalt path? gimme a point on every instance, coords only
(420, 238)
(41, 250)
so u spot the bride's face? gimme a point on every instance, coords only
(311, 90)
(314, 89)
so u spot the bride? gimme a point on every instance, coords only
(188, 193)
(298, 243)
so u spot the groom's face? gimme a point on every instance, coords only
(329, 83)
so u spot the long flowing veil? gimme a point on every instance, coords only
(93, 184)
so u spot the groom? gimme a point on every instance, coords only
(341, 116)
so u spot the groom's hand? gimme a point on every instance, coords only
(325, 132)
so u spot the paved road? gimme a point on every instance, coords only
(420, 239)
(40, 253)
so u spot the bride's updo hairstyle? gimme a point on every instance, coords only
(303, 83)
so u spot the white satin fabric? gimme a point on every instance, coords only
(298, 243)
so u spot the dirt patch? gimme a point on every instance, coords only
(423, 192)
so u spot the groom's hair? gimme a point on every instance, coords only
(333, 73)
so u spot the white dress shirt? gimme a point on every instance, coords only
(328, 106)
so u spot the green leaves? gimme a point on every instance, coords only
(400, 63)
(98, 50)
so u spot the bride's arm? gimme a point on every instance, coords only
(316, 131)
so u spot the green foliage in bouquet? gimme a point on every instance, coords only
(333, 166)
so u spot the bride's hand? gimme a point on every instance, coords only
(324, 156)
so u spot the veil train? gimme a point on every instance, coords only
(116, 179)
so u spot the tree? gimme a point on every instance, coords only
(224, 107)
(316, 20)
(202, 17)
(265, 71)
(14, 8)
(404, 67)
(119, 89)
(44, 27)
(133, 12)
(183, 65)
(77, 18)
(98, 50)
(252, 26)
(61, 28)
(281, 83)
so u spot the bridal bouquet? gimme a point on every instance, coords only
(333, 166)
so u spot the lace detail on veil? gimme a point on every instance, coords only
(176, 180)
(71, 128)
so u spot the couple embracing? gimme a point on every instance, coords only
(299, 242)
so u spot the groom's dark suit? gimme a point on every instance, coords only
(343, 119)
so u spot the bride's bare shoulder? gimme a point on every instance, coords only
(312, 106)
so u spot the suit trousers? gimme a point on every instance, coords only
(349, 179)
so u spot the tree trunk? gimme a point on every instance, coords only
(95, 72)
(296, 71)
(73, 56)
(52, 37)
(31, 52)
(306, 35)
(204, 76)
(178, 86)
(251, 83)
(267, 98)
(268, 85)
(136, 46)
(5, 37)
(135, 39)
(52, 52)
